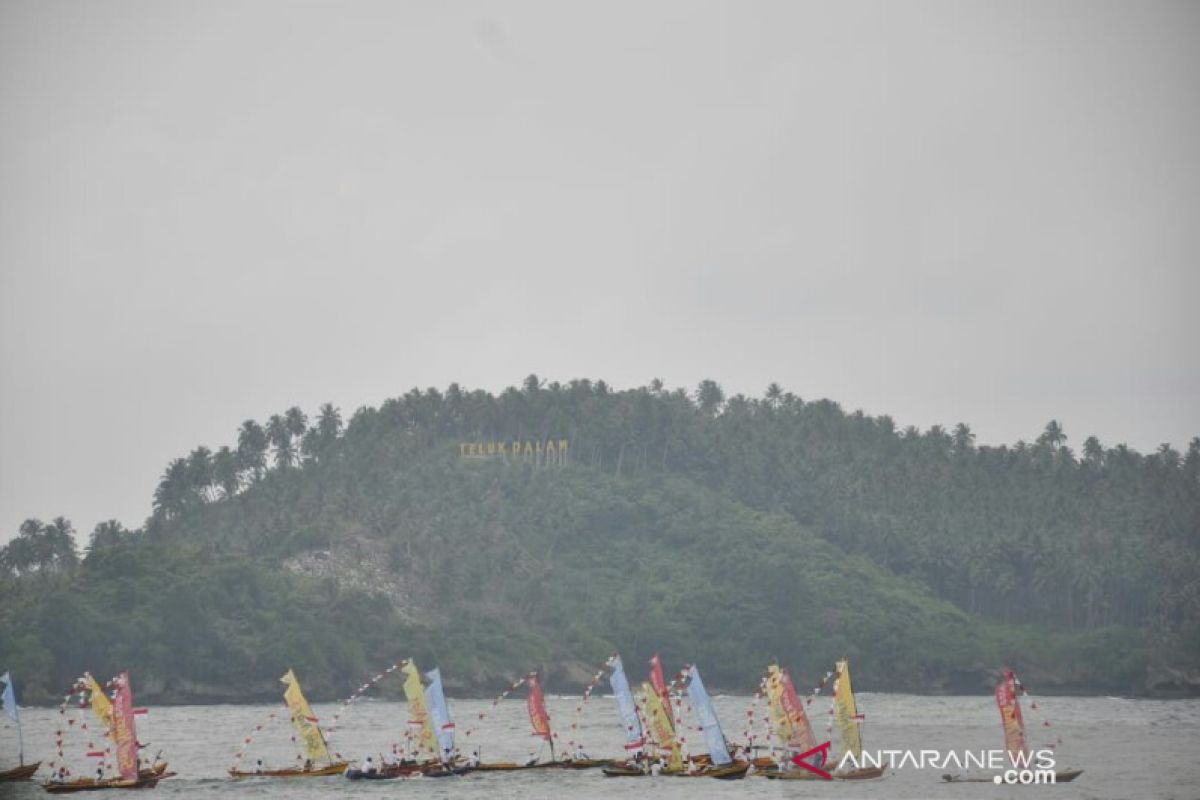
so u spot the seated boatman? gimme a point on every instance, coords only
(367, 767)
(580, 755)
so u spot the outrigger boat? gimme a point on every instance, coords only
(117, 717)
(790, 726)
(849, 724)
(720, 763)
(1008, 699)
(8, 703)
(434, 733)
(319, 763)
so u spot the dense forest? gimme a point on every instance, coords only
(721, 530)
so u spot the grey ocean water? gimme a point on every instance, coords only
(1129, 748)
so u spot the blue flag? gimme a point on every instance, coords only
(9, 699)
(708, 719)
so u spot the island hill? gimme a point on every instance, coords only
(726, 531)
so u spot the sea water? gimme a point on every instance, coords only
(1128, 749)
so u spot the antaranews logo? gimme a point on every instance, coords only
(1021, 768)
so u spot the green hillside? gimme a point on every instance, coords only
(721, 531)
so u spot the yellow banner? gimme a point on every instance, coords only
(781, 725)
(658, 720)
(846, 711)
(304, 720)
(100, 702)
(417, 710)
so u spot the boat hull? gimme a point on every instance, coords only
(92, 785)
(336, 768)
(22, 773)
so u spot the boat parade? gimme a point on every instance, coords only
(670, 730)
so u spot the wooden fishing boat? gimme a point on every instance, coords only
(586, 763)
(1060, 776)
(93, 785)
(499, 766)
(8, 705)
(865, 773)
(308, 733)
(335, 768)
(1008, 700)
(731, 772)
(624, 771)
(22, 773)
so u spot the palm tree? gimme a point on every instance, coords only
(964, 438)
(297, 422)
(252, 448)
(200, 473)
(225, 471)
(107, 534)
(281, 439)
(709, 397)
(1093, 451)
(1053, 435)
(774, 394)
(171, 492)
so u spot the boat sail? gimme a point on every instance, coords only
(718, 751)
(789, 722)
(116, 715)
(849, 723)
(1008, 700)
(626, 707)
(418, 712)
(660, 687)
(538, 716)
(8, 703)
(439, 715)
(308, 730)
(662, 728)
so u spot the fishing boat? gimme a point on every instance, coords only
(431, 733)
(1008, 700)
(117, 718)
(849, 723)
(8, 703)
(318, 762)
(719, 763)
(790, 726)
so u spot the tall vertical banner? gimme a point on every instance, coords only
(303, 719)
(1010, 716)
(538, 717)
(717, 749)
(626, 708)
(439, 713)
(781, 723)
(124, 732)
(660, 687)
(101, 706)
(846, 710)
(658, 720)
(418, 713)
(802, 737)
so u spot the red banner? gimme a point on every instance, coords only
(802, 732)
(123, 729)
(538, 717)
(660, 686)
(1010, 715)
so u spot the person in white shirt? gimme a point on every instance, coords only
(367, 767)
(580, 755)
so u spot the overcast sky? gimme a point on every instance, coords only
(986, 212)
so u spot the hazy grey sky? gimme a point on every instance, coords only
(210, 211)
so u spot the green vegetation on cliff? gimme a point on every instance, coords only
(720, 531)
